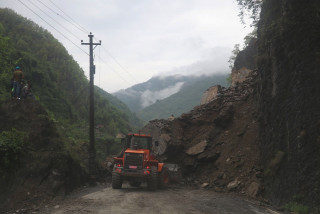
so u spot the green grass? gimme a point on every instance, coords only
(297, 208)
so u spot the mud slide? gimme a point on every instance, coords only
(102, 199)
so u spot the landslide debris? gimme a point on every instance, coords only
(216, 145)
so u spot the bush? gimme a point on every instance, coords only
(11, 148)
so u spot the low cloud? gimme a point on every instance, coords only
(149, 97)
(215, 60)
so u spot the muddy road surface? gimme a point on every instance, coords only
(104, 199)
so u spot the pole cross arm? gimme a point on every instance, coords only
(83, 43)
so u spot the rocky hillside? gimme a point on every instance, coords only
(288, 64)
(34, 163)
(216, 144)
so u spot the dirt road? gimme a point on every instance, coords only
(102, 199)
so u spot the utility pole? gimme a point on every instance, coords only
(92, 150)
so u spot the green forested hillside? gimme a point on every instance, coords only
(187, 98)
(59, 84)
(144, 94)
(133, 119)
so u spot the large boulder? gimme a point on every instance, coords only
(197, 149)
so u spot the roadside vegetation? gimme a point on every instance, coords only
(60, 86)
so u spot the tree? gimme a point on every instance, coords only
(251, 8)
(249, 37)
(235, 52)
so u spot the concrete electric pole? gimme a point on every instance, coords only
(92, 150)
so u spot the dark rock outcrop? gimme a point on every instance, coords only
(288, 95)
(245, 63)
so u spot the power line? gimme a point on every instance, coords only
(53, 11)
(54, 20)
(111, 68)
(117, 62)
(74, 43)
(123, 68)
(75, 23)
(83, 30)
(114, 70)
(121, 77)
(53, 27)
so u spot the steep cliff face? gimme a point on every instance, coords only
(244, 63)
(289, 88)
(247, 57)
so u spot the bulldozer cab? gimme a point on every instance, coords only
(135, 142)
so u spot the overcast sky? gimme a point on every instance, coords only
(141, 38)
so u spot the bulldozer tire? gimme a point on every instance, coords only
(163, 179)
(135, 183)
(116, 181)
(153, 180)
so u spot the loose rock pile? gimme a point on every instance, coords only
(216, 145)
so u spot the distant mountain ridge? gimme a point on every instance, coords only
(185, 100)
(157, 88)
(162, 96)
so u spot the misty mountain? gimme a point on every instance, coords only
(187, 98)
(163, 96)
(157, 88)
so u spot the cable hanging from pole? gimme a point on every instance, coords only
(54, 20)
(52, 26)
(75, 23)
